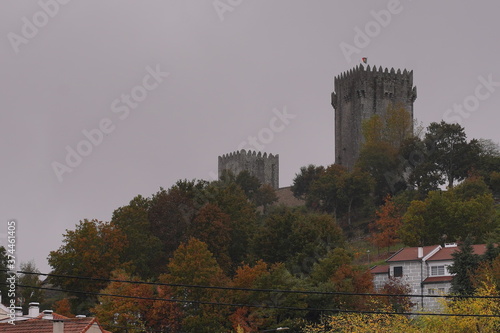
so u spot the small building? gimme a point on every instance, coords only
(50, 322)
(424, 269)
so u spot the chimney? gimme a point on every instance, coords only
(34, 310)
(58, 326)
(47, 314)
(18, 311)
(420, 252)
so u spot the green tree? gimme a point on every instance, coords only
(325, 193)
(448, 216)
(4, 289)
(326, 267)
(231, 199)
(248, 183)
(422, 174)
(304, 179)
(32, 280)
(143, 254)
(449, 152)
(380, 153)
(169, 214)
(265, 196)
(355, 189)
(465, 263)
(297, 239)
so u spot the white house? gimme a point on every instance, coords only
(424, 269)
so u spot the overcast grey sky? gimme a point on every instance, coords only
(161, 88)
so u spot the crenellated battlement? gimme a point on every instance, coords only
(365, 71)
(361, 92)
(261, 165)
(247, 153)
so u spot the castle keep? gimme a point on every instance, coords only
(262, 166)
(361, 93)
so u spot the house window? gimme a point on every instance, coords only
(431, 291)
(398, 271)
(437, 270)
(441, 291)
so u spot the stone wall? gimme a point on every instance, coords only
(262, 166)
(361, 93)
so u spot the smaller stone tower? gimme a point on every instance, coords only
(262, 166)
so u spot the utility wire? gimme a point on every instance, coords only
(264, 306)
(283, 291)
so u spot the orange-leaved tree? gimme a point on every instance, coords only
(194, 267)
(138, 309)
(385, 228)
(93, 250)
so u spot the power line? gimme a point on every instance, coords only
(283, 291)
(264, 306)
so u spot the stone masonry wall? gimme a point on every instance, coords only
(361, 93)
(263, 166)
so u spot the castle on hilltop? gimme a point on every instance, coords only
(361, 93)
(262, 166)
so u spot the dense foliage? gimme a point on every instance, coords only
(196, 236)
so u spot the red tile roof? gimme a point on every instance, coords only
(446, 252)
(437, 279)
(380, 269)
(410, 253)
(39, 325)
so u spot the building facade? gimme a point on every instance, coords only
(361, 93)
(262, 166)
(424, 270)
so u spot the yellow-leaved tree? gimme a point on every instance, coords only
(469, 306)
(365, 322)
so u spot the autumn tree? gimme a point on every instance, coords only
(337, 272)
(93, 250)
(386, 227)
(384, 321)
(484, 306)
(193, 264)
(139, 313)
(213, 227)
(63, 307)
(397, 287)
(247, 317)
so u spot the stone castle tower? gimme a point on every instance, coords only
(361, 93)
(264, 167)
